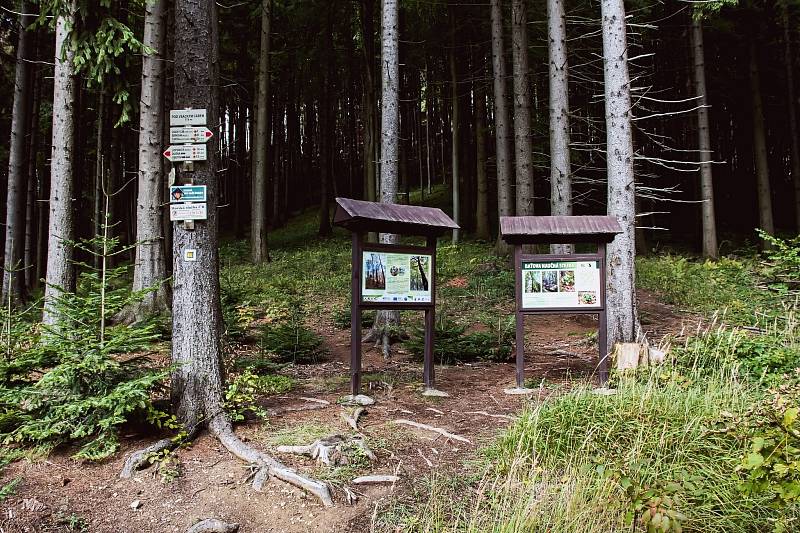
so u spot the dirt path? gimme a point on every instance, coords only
(59, 494)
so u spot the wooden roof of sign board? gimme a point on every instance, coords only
(361, 216)
(558, 229)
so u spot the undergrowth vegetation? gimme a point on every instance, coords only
(80, 380)
(710, 441)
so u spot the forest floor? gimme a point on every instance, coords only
(60, 494)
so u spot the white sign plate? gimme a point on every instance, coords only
(187, 117)
(178, 212)
(402, 278)
(561, 284)
(190, 254)
(190, 135)
(186, 152)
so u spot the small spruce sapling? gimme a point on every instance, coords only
(85, 377)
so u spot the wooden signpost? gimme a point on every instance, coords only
(559, 284)
(389, 276)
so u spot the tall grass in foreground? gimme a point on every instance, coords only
(589, 462)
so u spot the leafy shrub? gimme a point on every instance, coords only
(77, 381)
(452, 343)
(783, 266)
(771, 466)
(292, 342)
(240, 396)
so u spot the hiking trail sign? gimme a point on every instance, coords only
(186, 152)
(187, 117)
(392, 276)
(189, 134)
(563, 283)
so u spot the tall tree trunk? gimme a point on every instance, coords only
(621, 289)
(60, 270)
(794, 135)
(560, 168)
(13, 284)
(482, 199)
(370, 105)
(258, 235)
(454, 127)
(709, 225)
(390, 144)
(29, 253)
(150, 264)
(760, 145)
(327, 127)
(522, 109)
(505, 198)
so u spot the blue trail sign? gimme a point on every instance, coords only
(179, 194)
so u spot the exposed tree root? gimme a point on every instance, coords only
(329, 450)
(141, 458)
(352, 420)
(212, 525)
(221, 427)
(432, 429)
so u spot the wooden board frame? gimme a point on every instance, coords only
(520, 313)
(357, 305)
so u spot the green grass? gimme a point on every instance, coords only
(730, 285)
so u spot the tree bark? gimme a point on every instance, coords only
(370, 104)
(60, 271)
(258, 235)
(454, 128)
(560, 167)
(327, 126)
(13, 285)
(522, 109)
(197, 382)
(505, 198)
(760, 144)
(709, 225)
(794, 136)
(150, 271)
(482, 197)
(390, 141)
(621, 289)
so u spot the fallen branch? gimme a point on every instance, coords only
(432, 429)
(427, 461)
(221, 427)
(484, 413)
(212, 525)
(352, 420)
(366, 480)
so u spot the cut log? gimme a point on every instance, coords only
(358, 399)
(432, 429)
(626, 355)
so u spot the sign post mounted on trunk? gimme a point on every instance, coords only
(390, 276)
(559, 284)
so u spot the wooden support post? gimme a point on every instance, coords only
(520, 319)
(355, 316)
(602, 333)
(429, 373)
